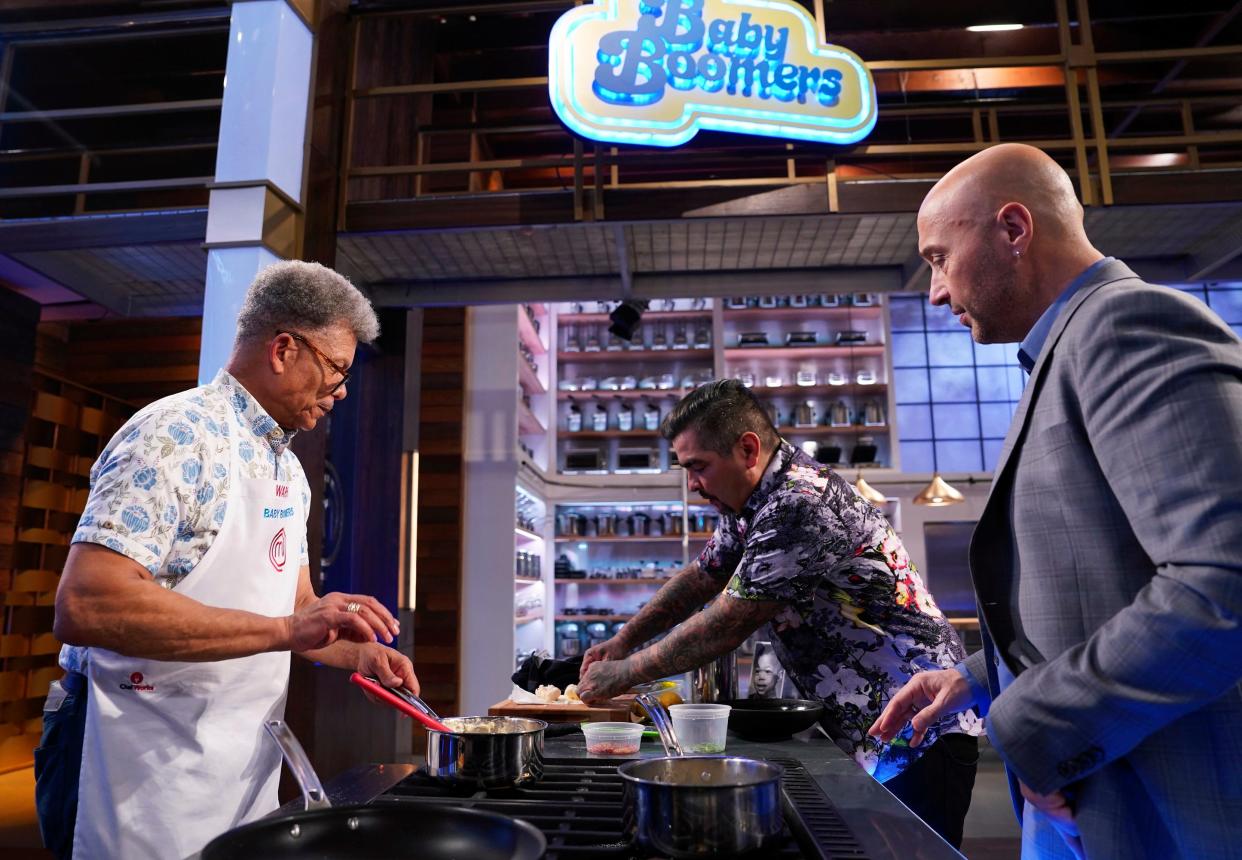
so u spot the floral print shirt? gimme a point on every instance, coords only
(857, 622)
(160, 490)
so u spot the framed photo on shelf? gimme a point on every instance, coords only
(767, 676)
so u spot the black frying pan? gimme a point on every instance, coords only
(772, 719)
(426, 832)
(324, 832)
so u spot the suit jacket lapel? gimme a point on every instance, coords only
(992, 539)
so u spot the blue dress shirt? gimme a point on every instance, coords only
(1028, 353)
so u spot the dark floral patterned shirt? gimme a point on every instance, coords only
(858, 621)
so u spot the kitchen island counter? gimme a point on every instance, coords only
(882, 826)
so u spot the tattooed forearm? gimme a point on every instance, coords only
(716, 630)
(672, 604)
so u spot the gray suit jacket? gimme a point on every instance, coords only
(1108, 567)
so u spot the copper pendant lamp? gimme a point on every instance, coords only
(869, 492)
(938, 493)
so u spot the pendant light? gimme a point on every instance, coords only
(869, 492)
(938, 493)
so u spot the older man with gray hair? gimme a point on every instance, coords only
(178, 605)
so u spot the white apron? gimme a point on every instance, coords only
(175, 754)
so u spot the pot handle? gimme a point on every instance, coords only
(419, 703)
(662, 722)
(313, 795)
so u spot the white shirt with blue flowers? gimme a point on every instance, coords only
(160, 490)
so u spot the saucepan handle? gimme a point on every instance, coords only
(313, 795)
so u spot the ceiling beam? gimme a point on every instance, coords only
(73, 232)
(64, 271)
(1213, 30)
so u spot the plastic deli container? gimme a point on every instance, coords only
(612, 738)
(700, 728)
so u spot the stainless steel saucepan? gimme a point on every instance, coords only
(487, 752)
(694, 806)
(483, 752)
(479, 752)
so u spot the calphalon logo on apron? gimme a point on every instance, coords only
(135, 684)
(276, 552)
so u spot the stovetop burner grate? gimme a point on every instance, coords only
(579, 806)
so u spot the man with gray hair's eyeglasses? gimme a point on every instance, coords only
(188, 586)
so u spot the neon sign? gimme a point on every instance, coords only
(656, 71)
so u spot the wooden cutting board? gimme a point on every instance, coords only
(617, 710)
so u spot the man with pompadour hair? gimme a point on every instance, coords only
(799, 552)
(188, 586)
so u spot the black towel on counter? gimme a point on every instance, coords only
(540, 669)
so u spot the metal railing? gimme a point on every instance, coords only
(967, 127)
(84, 160)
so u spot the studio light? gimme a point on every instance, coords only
(625, 318)
(993, 28)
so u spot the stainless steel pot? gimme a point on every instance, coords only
(697, 806)
(487, 752)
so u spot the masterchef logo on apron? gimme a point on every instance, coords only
(135, 684)
(276, 552)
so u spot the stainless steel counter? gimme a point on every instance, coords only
(882, 825)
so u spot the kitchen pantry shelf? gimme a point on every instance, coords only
(878, 389)
(528, 424)
(527, 535)
(631, 539)
(740, 353)
(594, 617)
(528, 335)
(648, 317)
(527, 580)
(599, 581)
(529, 381)
(520, 620)
(608, 480)
(873, 312)
(703, 353)
(821, 430)
(626, 394)
(610, 434)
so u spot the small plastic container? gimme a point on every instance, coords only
(700, 728)
(612, 738)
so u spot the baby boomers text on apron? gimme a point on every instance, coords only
(175, 753)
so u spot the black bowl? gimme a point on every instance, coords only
(772, 719)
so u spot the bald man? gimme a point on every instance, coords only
(1108, 560)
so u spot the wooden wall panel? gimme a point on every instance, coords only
(139, 360)
(437, 647)
(50, 430)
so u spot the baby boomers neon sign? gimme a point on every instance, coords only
(657, 71)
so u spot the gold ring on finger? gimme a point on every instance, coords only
(353, 606)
